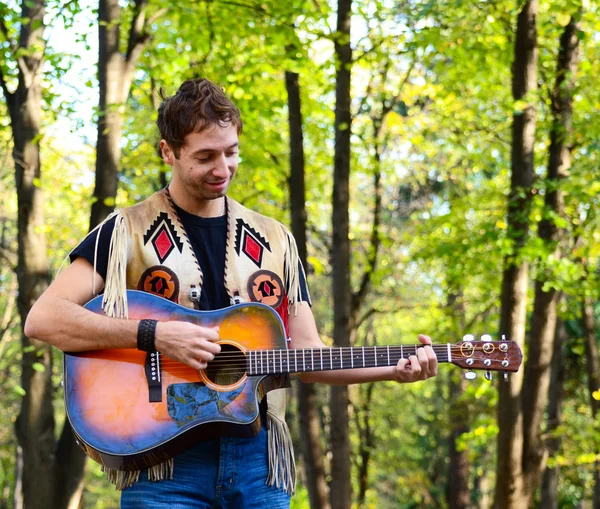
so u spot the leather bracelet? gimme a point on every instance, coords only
(146, 335)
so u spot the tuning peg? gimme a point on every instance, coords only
(488, 376)
(468, 337)
(486, 337)
(470, 375)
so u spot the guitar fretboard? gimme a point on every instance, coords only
(273, 362)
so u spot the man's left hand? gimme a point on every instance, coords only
(421, 366)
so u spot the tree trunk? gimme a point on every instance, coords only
(541, 344)
(35, 424)
(341, 488)
(509, 484)
(457, 494)
(43, 481)
(556, 394)
(366, 444)
(593, 370)
(115, 74)
(40, 485)
(307, 396)
(457, 491)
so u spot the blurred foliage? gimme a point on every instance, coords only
(441, 72)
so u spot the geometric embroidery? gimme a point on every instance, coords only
(160, 280)
(163, 236)
(266, 287)
(250, 242)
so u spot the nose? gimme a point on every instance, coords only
(221, 166)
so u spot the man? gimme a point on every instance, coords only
(193, 245)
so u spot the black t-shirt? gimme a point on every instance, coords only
(208, 236)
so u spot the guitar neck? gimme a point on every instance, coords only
(273, 362)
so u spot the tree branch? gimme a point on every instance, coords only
(10, 96)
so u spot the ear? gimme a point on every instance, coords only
(167, 153)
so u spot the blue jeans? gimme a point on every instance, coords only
(226, 473)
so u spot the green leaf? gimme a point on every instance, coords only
(19, 390)
(563, 19)
(39, 367)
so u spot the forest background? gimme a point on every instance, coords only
(437, 162)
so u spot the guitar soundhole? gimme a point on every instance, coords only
(228, 367)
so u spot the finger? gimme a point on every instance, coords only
(209, 346)
(204, 356)
(210, 333)
(423, 362)
(425, 340)
(432, 361)
(402, 364)
(196, 364)
(415, 367)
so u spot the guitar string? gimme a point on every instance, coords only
(344, 351)
(273, 365)
(369, 361)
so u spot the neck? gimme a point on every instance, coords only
(202, 208)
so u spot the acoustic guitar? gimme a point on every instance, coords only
(131, 410)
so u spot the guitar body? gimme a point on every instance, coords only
(107, 392)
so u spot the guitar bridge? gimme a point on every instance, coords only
(152, 370)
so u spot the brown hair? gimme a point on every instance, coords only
(197, 105)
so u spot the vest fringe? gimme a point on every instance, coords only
(292, 273)
(282, 467)
(121, 479)
(162, 471)
(114, 302)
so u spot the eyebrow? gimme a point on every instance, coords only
(203, 150)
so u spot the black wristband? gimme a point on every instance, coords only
(145, 335)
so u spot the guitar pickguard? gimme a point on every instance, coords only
(188, 401)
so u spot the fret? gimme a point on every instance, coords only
(363, 352)
(375, 355)
(281, 361)
(351, 357)
(267, 353)
(388, 352)
(449, 352)
(261, 362)
(331, 358)
(401, 352)
(321, 352)
(250, 370)
(296, 360)
(312, 360)
(303, 364)
(288, 361)
(341, 350)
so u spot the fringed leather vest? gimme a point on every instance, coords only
(149, 244)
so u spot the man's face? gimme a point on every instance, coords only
(207, 162)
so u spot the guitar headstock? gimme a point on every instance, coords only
(487, 354)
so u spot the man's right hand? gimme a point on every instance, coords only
(185, 342)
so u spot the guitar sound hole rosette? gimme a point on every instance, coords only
(227, 370)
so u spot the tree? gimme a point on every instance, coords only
(543, 327)
(307, 396)
(115, 74)
(510, 491)
(341, 489)
(52, 472)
